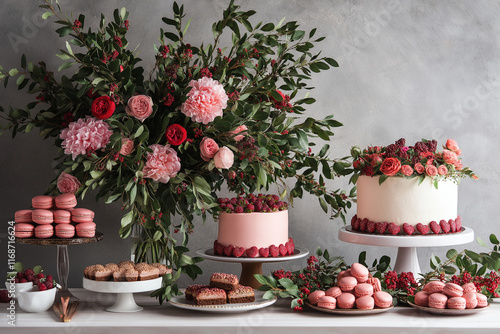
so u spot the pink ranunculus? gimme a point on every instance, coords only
(406, 170)
(127, 146)
(234, 133)
(452, 145)
(431, 170)
(85, 135)
(419, 168)
(450, 157)
(208, 148)
(442, 170)
(67, 184)
(162, 163)
(140, 107)
(206, 100)
(224, 159)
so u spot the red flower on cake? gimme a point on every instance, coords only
(103, 107)
(406, 170)
(390, 166)
(176, 134)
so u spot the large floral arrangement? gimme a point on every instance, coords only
(165, 142)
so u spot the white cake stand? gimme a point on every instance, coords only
(250, 266)
(124, 292)
(407, 260)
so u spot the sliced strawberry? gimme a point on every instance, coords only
(363, 224)
(381, 227)
(283, 250)
(290, 247)
(252, 251)
(371, 226)
(453, 225)
(238, 251)
(274, 251)
(356, 224)
(409, 229)
(353, 220)
(445, 226)
(434, 226)
(228, 250)
(423, 229)
(458, 221)
(393, 228)
(264, 252)
(219, 250)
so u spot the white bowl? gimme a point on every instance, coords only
(32, 300)
(14, 288)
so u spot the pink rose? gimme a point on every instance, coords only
(208, 148)
(206, 100)
(127, 146)
(442, 170)
(450, 157)
(241, 128)
(162, 163)
(224, 158)
(419, 168)
(406, 170)
(140, 106)
(431, 170)
(67, 184)
(451, 145)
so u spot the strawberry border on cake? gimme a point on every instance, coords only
(252, 252)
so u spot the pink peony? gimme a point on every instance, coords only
(450, 157)
(419, 168)
(208, 148)
(127, 146)
(140, 107)
(431, 170)
(442, 170)
(206, 100)
(161, 164)
(451, 145)
(84, 136)
(234, 133)
(67, 184)
(458, 165)
(224, 158)
(406, 170)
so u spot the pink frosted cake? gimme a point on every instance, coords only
(255, 226)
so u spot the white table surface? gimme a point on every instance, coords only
(279, 318)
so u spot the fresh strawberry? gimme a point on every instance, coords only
(458, 221)
(264, 252)
(453, 225)
(252, 251)
(409, 229)
(23, 280)
(228, 250)
(290, 247)
(219, 250)
(445, 226)
(283, 250)
(238, 251)
(393, 228)
(274, 251)
(40, 275)
(363, 224)
(42, 287)
(434, 226)
(423, 229)
(371, 226)
(49, 284)
(381, 227)
(4, 296)
(356, 224)
(353, 220)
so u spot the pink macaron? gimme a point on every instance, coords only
(334, 292)
(469, 287)
(365, 303)
(62, 217)
(23, 216)
(65, 231)
(375, 282)
(44, 231)
(327, 302)
(422, 298)
(456, 303)
(360, 272)
(347, 283)
(343, 273)
(434, 286)
(363, 289)
(85, 230)
(437, 300)
(470, 300)
(346, 300)
(23, 230)
(315, 296)
(65, 201)
(42, 216)
(382, 299)
(453, 290)
(42, 202)
(82, 215)
(482, 300)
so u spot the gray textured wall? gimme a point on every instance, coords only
(426, 69)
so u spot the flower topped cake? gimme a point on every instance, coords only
(408, 189)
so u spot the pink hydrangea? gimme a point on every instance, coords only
(85, 135)
(161, 164)
(206, 100)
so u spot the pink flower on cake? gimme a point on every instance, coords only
(442, 170)
(206, 100)
(452, 145)
(140, 107)
(390, 166)
(406, 170)
(224, 159)
(234, 133)
(431, 170)
(208, 148)
(67, 184)
(450, 157)
(84, 136)
(161, 164)
(127, 146)
(419, 168)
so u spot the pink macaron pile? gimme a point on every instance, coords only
(437, 294)
(355, 289)
(57, 216)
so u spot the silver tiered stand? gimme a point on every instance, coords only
(407, 260)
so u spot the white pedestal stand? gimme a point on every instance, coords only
(406, 260)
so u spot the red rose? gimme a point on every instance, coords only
(103, 107)
(390, 166)
(176, 134)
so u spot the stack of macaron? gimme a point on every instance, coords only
(355, 289)
(54, 215)
(437, 294)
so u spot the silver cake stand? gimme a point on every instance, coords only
(407, 260)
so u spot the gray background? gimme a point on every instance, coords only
(426, 69)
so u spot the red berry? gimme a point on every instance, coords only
(228, 250)
(23, 280)
(239, 209)
(283, 250)
(49, 284)
(353, 220)
(381, 227)
(290, 247)
(274, 251)
(423, 229)
(30, 278)
(264, 252)
(4, 296)
(29, 271)
(40, 275)
(409, 229)
(356, 224)
(445, 226)
(371, 226)
(453, 225)
(458, 221)
(16, 280)
(219, 249)
(238, 251)
(252, 251)
(393, 228)
(363, 225)
(20, 275)
(434, 226)
(42, 287)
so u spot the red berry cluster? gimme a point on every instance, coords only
(42, 282)
(404, 282)
(490, 283)
(252, 203)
